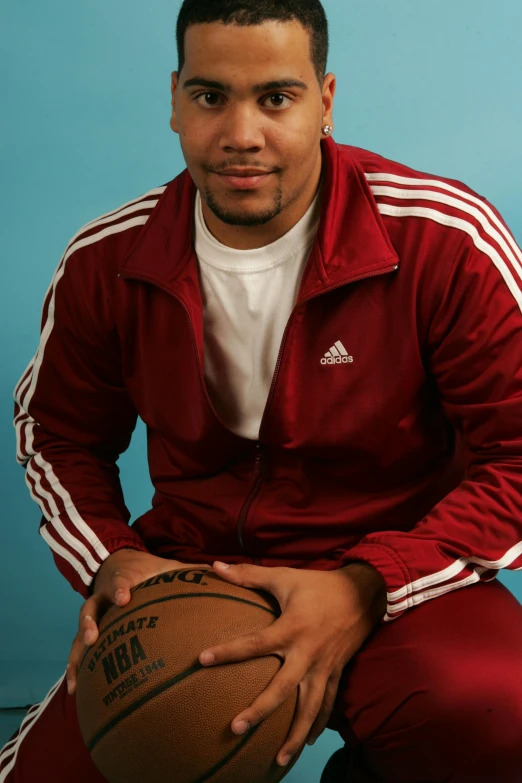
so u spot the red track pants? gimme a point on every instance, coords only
(435, 695)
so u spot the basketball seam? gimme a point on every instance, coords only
(141, 701)
(175, 598)
(211, 772)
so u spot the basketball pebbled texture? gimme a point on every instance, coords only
(149, 711)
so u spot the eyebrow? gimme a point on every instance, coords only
(280, 84)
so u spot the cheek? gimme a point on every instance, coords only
(195, 144)
(298, 154)
(192, 156)
(296, 139)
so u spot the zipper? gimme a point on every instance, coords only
(259, 475)
(259, 463)
(259, 460)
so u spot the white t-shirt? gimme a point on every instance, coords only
(248, 296)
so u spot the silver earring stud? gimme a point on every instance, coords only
(327, 129)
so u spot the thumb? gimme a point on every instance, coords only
(120, 590)
(247, 574)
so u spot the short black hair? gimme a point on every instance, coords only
(310, 13)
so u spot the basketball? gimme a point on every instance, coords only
(149, 711)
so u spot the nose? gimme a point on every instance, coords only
(242, 130)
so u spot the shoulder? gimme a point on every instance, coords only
(380, 172)
(450, 213)
(114, 232)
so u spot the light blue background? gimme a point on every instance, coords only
(85, 128)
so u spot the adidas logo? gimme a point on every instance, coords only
(337, 355)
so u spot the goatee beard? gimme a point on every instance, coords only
(238, 219)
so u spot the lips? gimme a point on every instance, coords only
(244, 172)
(244, 179)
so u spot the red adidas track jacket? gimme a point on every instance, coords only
(416, 276)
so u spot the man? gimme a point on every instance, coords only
(325, 348)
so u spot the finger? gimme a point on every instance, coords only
(326, 710)
(282, 686)
(252, 645)
(75, 656)
(87, 634)
(72, 666)
(311, 694)
(89, 617)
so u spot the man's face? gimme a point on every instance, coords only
(249, 112)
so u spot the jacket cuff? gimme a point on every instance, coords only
(392, 570)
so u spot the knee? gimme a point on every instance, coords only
(477, 716)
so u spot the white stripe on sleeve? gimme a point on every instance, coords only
(55, 494)
(419, 590)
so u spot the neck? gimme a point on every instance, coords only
(251, 237)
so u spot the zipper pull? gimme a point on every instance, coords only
(258, 459)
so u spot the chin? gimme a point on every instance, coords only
(245, 218)
(228, 210)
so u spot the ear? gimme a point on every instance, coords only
(329, 85)
(173, 88)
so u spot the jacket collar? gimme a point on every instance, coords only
(351, 240)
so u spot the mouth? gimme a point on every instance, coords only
(244, 179)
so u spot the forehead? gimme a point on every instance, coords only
(242, 52)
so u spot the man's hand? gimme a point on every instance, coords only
(326, 617)
(122, 570)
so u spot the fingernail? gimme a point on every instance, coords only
(120, 595)
(285, 759)
(207, 658)
(222, 565)
(70, 686)
(241, 727)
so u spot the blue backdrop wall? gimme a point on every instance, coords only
(86, 113)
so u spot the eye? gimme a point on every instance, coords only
(210, 99)
(277, 100)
